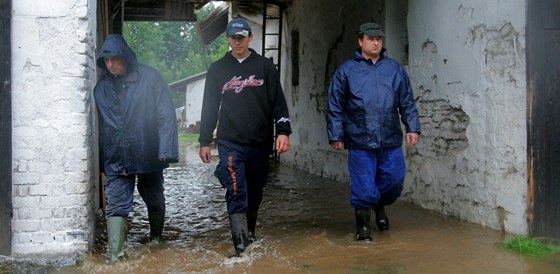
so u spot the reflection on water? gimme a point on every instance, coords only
(306, 225)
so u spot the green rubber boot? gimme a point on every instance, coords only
(116, 234)
(156, 226)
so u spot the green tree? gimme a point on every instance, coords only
(174, 48)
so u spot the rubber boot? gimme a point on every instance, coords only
(251, 224)
(381, 219)
(156, 226)
(362, 224)
(116, 234)
(238, 224)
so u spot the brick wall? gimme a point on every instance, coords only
(54, 165)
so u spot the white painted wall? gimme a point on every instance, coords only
(53, 73)
(466, 64)
(195, 93)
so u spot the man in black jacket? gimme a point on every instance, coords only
(244, 89)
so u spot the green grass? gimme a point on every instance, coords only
(188, 137)
(529, 247)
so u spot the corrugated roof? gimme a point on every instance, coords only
(214, 24)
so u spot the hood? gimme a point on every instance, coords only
(116, 46)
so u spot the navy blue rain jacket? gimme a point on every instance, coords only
(368, 101)
(133, 137)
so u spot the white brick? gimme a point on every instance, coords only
(64, 201)
(22, 238)
(19, 202)
(28, 213)
(76, 165)
(24, 154)
(46, 189)
(77, 188)
(71, 212)
(60, 224)
(40, 167)
(26, 225)
(42, 237)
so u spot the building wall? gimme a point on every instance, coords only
(54, 159)
(195, 93)
(469, 77)
(466, 64)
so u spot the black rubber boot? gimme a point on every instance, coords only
(156, 226)
(238, 224)
(116, 234)
(381, 219)
(363, 230)
(251, 224)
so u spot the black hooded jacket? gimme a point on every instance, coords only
(134, 135)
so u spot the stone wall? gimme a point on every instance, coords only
(54, 150)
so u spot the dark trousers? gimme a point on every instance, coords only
(376, 176)
(243, 171)
(119, 192)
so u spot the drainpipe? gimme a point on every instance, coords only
(5, 128)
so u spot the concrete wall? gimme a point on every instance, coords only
(195, 93)
(53, 73)
(466, 63)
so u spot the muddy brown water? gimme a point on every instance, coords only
(306, 225)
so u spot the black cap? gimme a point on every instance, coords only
(371, 29)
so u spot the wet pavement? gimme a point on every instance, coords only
(306, 225)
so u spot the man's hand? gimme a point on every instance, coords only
(338, 145)
(282, 143)
(411, 139)
(205, 154)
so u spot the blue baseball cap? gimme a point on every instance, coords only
(238, 26)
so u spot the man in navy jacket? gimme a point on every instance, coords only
(369, 97)
(137, 138)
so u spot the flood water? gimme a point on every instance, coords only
(306, 225)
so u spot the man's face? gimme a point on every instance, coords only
(371, 46)
(240, 45)
(116, 66)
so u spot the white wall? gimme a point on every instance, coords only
(466, 64)
(53, 73)
(195, 93)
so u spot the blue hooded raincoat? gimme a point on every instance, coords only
(135, 136)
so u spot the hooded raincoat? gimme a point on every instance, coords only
(139, 128)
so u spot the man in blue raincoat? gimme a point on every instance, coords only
(137, 138)
(368, 95)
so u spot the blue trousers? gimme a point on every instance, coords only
(119, 192)
(376, 176)
(243, 171)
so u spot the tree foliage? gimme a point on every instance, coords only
(174, 48)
